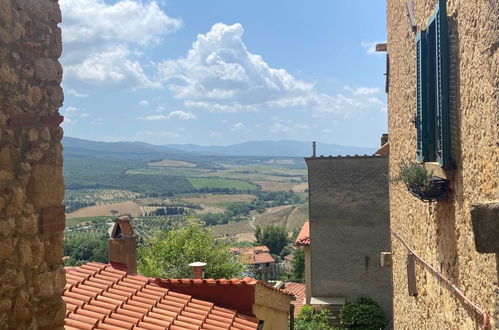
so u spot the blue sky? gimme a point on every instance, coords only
(221, 72)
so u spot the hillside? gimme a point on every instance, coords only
(284, 148)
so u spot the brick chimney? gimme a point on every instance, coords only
(384, 139)
(197, 269)
(123, 245)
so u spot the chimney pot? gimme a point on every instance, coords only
(314, 149)
(197, 269)
(384, 139)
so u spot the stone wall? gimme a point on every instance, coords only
(349, 228)
(31, 182)
(441, 232)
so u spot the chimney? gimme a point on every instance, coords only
(197, 269)
(384, 139)
(123, 245)
(314, 149)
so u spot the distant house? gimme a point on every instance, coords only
(113, 296)
(261, 263)
(303, 241)
(348, 228)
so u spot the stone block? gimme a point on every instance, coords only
(53, 219)
(485, 221)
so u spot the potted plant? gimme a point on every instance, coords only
(422, 183)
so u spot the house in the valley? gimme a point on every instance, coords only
(443, 111)
(259, 261)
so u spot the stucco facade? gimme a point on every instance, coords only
(31, 182)
(349, 227)
(441, 232)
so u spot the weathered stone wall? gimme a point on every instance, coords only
(349, 228)
(31, 182)
(441, 232)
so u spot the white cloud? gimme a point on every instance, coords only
(363, 90)
(72, 114)
(279, 127)
(144, 103)
(238, 126)
(370, 47)
(219, 74)
(154, 117)
(102, 41)
(73, 92)
(160, 108)
(177, 114)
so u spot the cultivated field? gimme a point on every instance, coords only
(276, 216)
(127, 207)
(275, 186)
(172, 163)
(200, 183)
(216, 199)
(233, 229)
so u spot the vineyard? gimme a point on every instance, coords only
(77, 199)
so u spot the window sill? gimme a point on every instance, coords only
(437, 170)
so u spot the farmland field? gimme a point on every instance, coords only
(77, 221)
(275, 186)
(216, 199)
(172, 163)
(128, 207)
(200, 183)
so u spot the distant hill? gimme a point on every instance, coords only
(75, 146)
(284, 148)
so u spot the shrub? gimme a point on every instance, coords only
(412, 173)
(308, 320)
(362, 314)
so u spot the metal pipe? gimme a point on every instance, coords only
(455, 289)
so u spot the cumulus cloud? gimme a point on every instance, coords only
(144, 103)
(102, 41)
(177, 114)
(220, 74)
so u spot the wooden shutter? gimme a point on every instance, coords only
(442, 85)
(421, 97)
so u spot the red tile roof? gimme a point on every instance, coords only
(254, 254)
(99, 296)
(304, 235)
(298, 289)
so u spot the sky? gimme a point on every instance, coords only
(221, 72)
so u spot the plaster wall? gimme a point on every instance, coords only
(441, 232)
(31, 182)
(349, 227)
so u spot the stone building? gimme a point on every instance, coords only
(443, 111)
(349, 227)
(31, 182)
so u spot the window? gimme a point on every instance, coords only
(432, 90)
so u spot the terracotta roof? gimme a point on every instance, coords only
(298, 289)
(254, 254)
(384, 150)
(304, 235)
(343, 157)
(99, 296)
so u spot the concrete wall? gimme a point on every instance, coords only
(31, 182)
(308, 274)
(349, 227)
(441, 232)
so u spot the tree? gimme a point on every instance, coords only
(85, 248)
(362, 314)
(298, 265)
(113, 212)
(273, 237)
(168, 254)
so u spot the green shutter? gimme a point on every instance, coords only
(421, 97)
(442, 81)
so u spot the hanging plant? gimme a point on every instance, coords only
(422, 183)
